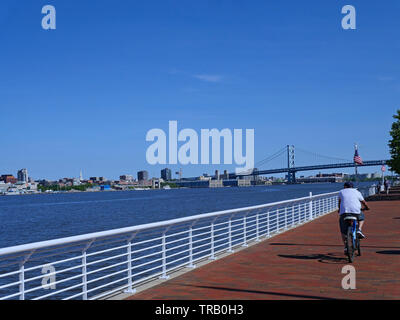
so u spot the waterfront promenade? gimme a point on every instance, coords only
(303, 263)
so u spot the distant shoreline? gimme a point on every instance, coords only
(149, 189)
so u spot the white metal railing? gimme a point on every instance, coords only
(96, 265)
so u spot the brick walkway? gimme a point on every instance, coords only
(304, 263)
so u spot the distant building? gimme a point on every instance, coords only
(156, 183)
(361, 176)
(97, 179)
(321, 179)
(200, 183)
(8, 178)
(22, 175)
(226, 175)
(45, 182)
(216, 174)
(326, 175)
(126, 177)
(166, 174)
(3, 187)
(143, 175)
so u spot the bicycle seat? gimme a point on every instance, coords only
(350, 218)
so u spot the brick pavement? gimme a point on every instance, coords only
(303, 263)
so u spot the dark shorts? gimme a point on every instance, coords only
(343, 224)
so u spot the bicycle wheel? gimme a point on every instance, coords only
(349, 244)
(358, 244)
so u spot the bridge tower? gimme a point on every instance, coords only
(290, 161)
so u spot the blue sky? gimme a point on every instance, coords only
(83, 96)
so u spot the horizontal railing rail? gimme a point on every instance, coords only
(96, 265)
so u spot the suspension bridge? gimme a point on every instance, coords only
(288, 155)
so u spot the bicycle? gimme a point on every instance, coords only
(352, 238)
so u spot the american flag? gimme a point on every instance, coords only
(357, 158)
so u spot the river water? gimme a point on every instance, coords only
(31, 218)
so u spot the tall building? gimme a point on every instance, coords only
(143, 175)
(166, 174)
(226, 175)
(126, 177)
(22, 175)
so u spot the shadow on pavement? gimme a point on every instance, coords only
(323, 258)
(389, 252)
(262, 292)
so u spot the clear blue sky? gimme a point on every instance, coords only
(83, 96)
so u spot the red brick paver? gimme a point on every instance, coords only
(304, 263)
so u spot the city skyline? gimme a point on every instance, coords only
(175, 175)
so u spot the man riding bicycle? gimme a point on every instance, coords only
(350, 201)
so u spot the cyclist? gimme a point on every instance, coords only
(350, 201)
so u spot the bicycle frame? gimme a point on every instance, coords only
(354, 226)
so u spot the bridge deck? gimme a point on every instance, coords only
(304, 263)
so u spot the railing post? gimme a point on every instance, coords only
(22, 281)
(257, 227)
(321, 207)
(310, 216)
(84, 276)
(230, 235)
(245, 232)
(191, 265)
(286, 221)
(130, 288)
(22, 275)
(84, 270)
(268, 220)
(212, 256)
(164, 257)
(292, 220)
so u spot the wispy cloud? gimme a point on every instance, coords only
(208, 77)
(386, 78)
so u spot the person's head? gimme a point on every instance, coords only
(348, 185)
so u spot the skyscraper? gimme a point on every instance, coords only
(143, 175)
(166, 174)
(22, 175)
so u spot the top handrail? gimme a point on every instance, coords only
(119, 231)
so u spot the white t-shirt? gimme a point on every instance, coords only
(350, 201)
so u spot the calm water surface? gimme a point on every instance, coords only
(32, 218)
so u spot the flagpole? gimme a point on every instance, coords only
(356, 169)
